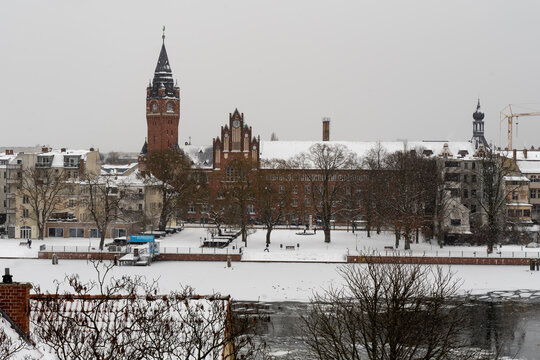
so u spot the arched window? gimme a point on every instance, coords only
(26, 232)
(170, 108)
(154, 107)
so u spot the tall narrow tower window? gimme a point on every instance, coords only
(154, 107)
(170, 108)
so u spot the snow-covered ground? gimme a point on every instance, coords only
(268, 280)
(254, 281)
(306, 247)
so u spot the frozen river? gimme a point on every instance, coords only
(513, 326)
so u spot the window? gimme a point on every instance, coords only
(473, 165)
(465, 193)
(56, 232)
(473, 207)
(308, 202)
(154, 107)
(473, 177)
(71, 203)
(514, 195)
(25, 199)
(466, 165)
(140, 207)
(251, 209)
(451, 177)
(451, 164)
(455, 222)
(281, 189)
(95, 233)
(26, 232)
(294, 202)
(170, 108)
(533, 193)
(307, 189)
(295, 189)
(465, 178)
(527, 213)
(76, 232)
(191, 208)
(25, 213)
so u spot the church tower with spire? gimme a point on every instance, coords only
(478, 129)
(162, 107)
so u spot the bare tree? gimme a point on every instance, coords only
(238, 190)
(493, 193)
(322, 166)
(104, 196)
(41, 191)
(388, 311)
(124, 318)
(174, 179)
(274, 137)
(410, 193)
(273, 200)
(371, 186)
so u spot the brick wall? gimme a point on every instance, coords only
(14, 300)
(437, 260)
(161, 257)
(199, 257)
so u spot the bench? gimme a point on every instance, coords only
(388, 248)
(289, 247)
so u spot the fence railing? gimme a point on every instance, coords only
(532, 253)
(79, 249)
(118, 250)
(197, 250)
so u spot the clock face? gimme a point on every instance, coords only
(236, 123)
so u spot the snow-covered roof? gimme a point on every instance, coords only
(201, 155)
(516, 178)
(27, 351)
(58, 155)
(109, 169)
(529, 166)
(109, 312)
(285, 150)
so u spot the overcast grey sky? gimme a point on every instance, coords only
(74, 73)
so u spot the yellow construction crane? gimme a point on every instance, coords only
(509, 115)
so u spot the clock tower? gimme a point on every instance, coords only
(162, 107)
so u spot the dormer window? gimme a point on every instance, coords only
(170, 108)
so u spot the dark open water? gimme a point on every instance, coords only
(510, 325)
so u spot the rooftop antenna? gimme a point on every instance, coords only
(163, 36)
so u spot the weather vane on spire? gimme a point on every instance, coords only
(163, 36)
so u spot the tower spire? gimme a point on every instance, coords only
(163, 36)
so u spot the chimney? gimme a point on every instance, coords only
(92, 149)
(9, 151)
(63, 150)
(44, 150)
(515, 154)
(15, 301)
(525, 153)
(326, 129)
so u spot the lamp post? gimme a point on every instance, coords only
(356, 235)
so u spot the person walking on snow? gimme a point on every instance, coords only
(267, 248)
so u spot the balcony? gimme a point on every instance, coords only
(14, 166)
(43, 165)
(71, 165)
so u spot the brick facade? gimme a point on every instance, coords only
(15, 302)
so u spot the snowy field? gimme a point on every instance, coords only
(259, 281)
(277, 275)
(306, 247)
